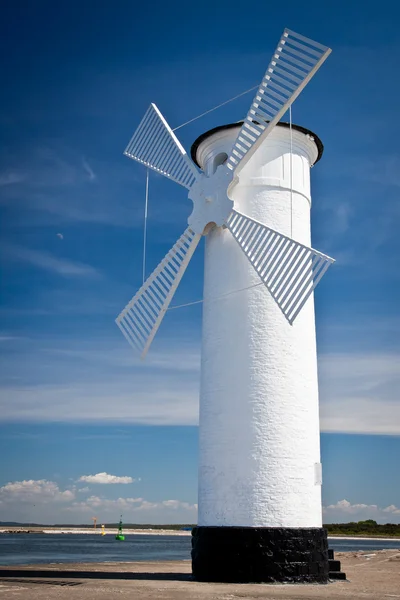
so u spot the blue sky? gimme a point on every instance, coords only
(74, 401)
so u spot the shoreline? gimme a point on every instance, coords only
(90, 531)
(351, 537)
(66, 566)
(171, 532)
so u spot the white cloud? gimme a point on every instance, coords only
(382, 169)
(88, 170)
(359, 393)
(11, 338)
(34, 491)
(106, 478)
(120, 388)
(53, 188)
(139, 509)
(344, 511)
(11, 177)
(82, 299)
(48, 262)
(147, 400)
(176, 504)
(104, 381)
(392, 509)
(337, 217)
(44, 166)
(42, 501)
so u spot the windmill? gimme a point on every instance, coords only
(259, 467)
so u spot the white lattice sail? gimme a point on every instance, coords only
(155, 145)
(295, 60)
(290, 270)
(142, 316)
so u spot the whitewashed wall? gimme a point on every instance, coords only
(259, 422)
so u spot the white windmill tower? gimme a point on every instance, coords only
(259, 473)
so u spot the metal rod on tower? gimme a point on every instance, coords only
(145, 224)
(291, 171)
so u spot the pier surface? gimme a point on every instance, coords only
(371, 576)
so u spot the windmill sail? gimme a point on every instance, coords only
(294, 62)
(290, 270)
(155, 145)
(142, 316)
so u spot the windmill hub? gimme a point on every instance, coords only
(209, 195)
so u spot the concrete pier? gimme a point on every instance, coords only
(371, 576)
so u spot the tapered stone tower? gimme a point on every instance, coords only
(260, 513)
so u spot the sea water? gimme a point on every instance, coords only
(24, 549)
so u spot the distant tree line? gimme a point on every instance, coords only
(368, 528)
(364, 528)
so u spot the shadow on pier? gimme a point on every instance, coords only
(35, 574)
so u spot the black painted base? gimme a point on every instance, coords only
(260, 555)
